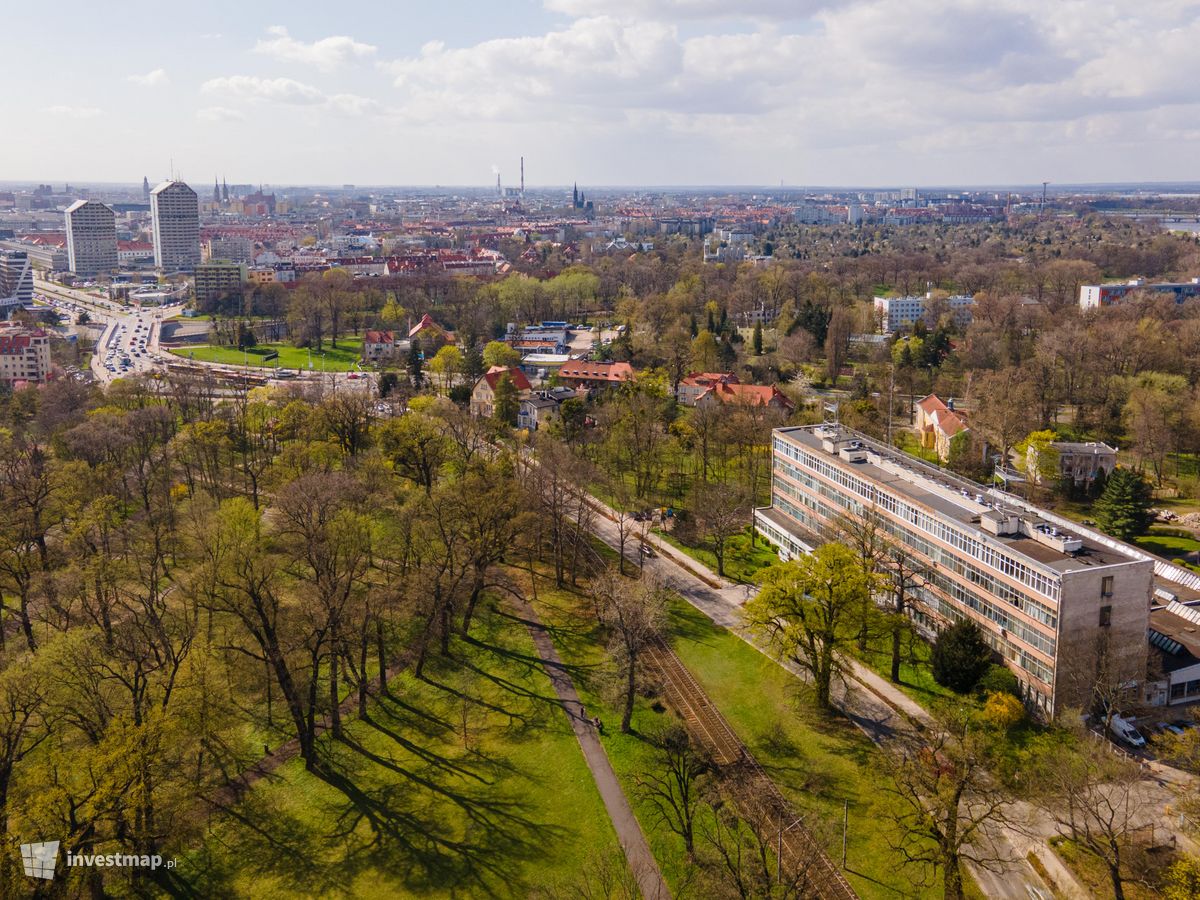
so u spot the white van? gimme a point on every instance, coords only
(1124, 730)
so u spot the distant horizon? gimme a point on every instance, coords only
(1052, 187)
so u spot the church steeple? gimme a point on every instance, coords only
(575, 195)
(216, 190)
(224, 189)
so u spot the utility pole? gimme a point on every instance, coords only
(845, 828)
(891, 397)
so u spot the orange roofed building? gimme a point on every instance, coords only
(483, 396)
(429, 328)
(938, 424)
(580, 373)
(702, 388)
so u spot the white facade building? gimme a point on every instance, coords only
(16, 277)
(175, 214)
(899, 313)
(91, 238)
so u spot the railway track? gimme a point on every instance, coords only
(752, 790)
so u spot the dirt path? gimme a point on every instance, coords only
(629, 832)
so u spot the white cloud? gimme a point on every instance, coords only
(274, 90)
(220, 114)
(677, 10)
(283, 91)
(763, 79)
(326, 54)
(75, 112)
(353, 105)
(153, 78)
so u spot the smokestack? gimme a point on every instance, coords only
(522, 176)
(499, 191)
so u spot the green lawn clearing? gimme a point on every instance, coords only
(742, 561)
(1168, 544)
(344, 358)
(473, 778)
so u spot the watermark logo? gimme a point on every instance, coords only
(40, 859)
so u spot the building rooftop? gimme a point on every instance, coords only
(969, 505)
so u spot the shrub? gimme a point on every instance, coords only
(960, 657)
(999, 679)
(1003, 711)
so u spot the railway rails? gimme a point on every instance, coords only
(751, 789)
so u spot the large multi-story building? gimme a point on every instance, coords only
(1092, 296)
(91, 238)
(16, 277)
(233, 248)
(44, 251)
(218, 279)
(899, 313)
(24, 354)
(175, 215)
(1052, 599)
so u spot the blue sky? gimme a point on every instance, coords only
(620, 92)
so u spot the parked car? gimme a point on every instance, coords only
(1126, 732)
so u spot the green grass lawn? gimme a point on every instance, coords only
(474, 779)
(916, 676)
(742, 561)
(344, 359)
(818, 761)
(907, 442)
(1170, 546)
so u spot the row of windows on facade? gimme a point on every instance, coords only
(994, 586)
(982, 605)
(1044, 584)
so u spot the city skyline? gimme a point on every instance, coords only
(660, 93)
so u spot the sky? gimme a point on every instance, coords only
(621, 92)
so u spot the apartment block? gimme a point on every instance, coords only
(175, 217)
(218, 279)
(24, 354)
(899, 313)
(1051, 598)
(91, 238)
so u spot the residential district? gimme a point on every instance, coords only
(576, 542)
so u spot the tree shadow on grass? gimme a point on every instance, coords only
(410, 834)
(689, 624)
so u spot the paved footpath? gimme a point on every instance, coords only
(629, 832)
